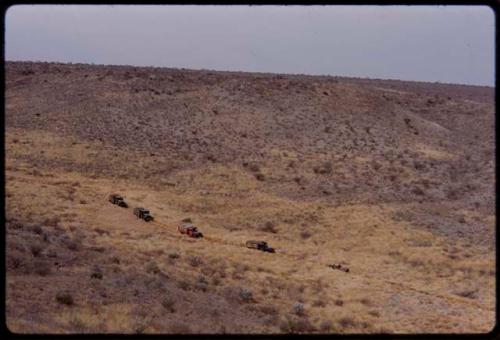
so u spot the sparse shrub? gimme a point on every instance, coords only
(416, 263)
(46, 237)
(52, 222)
(195, 261)
(173, 256)
(37, 229)
(184, 285)
(374, 313)
(297, 325)
(326, 326)
(201, 283)
(268, 310)
(77, 324)
(140, 326)
(14, 259)
(324, 169)
(339, 302)
(420, 243)
(116, 269)
(269, 227)
(70, 243)
(419, 165)
(239, 270)
(201, 286)
(168, 303)
(51, 252)
(418, 191)
(36, 249)
(179, 328)
(15, 225)
(298, 309)
(253, 167)
(453, 193)
(245, 295)
(82, 201)
(319, 303)
(216, 280)
(238, 294)
(260, 177)
(202, 279)
(101, 231)
(305, 235)
(152, 267)
(365, 302)
(115, 260)
(96, 273)
(347, 322)
(285, 326)
(64, 298)
(42, 268)
(468, 293)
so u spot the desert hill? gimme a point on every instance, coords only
(393, 179)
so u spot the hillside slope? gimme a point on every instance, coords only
(393, 179)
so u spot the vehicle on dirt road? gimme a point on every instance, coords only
(259, 245)
(118, 200)
(143, 214)
(189, 229)
(339, 267)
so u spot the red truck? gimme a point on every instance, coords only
(189, 229)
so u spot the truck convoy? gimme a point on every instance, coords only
(186, 226)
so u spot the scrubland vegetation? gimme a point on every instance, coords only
(394, 180)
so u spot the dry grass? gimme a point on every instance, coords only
(423, 270)
(403, 277)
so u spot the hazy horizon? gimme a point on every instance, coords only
(445, 44)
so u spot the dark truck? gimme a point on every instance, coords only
(143, 214)
(118, 200)
(339, 267)
(259, 245)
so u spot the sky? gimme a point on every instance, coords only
(447, 44)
